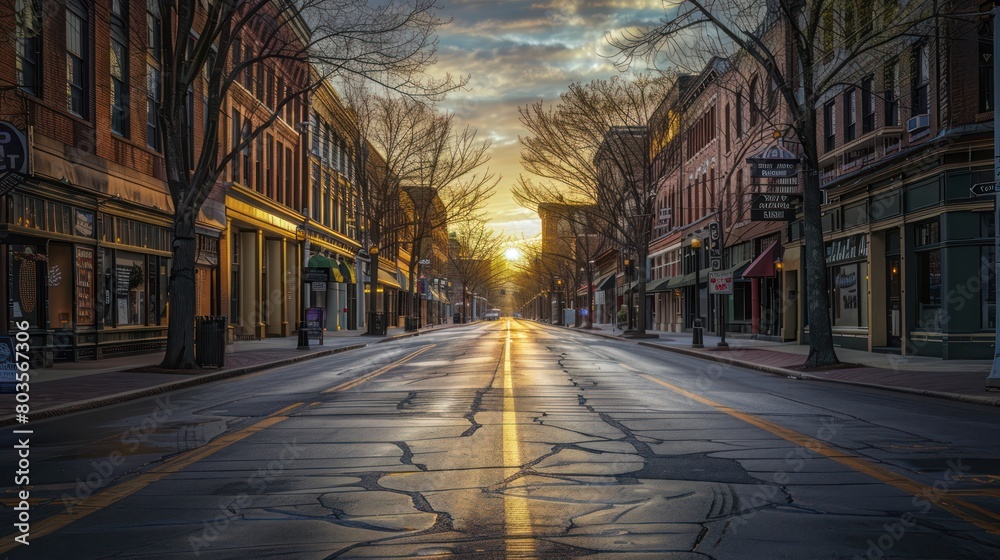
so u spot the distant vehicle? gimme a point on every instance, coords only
(493, 315)
(517, 315)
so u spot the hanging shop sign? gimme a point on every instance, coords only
(13, 157)
(767, 207)
(720, 283)
(774, 162)
(315, 274)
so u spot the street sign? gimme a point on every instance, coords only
(424, 262)
(720, 283)
(767, 207)
(985, 189)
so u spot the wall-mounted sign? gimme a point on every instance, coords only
(315, 274)
(847, 248)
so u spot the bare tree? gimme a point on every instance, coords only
(477, 259)
(806, 49)
(218, 45)
(449, 189)
(592, 148)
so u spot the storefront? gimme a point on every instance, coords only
(847, 281)
(91, 279)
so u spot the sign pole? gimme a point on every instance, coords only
(993, 381)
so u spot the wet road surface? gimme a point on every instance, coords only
(511, 439)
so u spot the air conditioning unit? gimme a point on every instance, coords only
(918, 122)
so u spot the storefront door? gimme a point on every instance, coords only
(894, 319)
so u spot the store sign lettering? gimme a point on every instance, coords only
(848, 248)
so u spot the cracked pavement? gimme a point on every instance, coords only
(519, 441)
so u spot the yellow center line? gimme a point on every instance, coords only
(355, 382)
(109, 496)
(981, 517)
(517, 516)
(113, 494)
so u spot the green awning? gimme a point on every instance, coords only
(321, 261)
(605, 283)
(659, 285)
(347, 272)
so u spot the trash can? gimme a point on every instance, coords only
(377, 323)
(210, 341)
(410, 324)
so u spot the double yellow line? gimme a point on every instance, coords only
(979, 516)
(97, 502)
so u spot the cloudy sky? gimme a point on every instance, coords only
(519, 51)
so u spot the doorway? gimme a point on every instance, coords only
(894, 318)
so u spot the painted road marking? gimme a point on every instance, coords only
(355, 382)
(979, 516)
(105, 498)
(97, 502)
(520, 542)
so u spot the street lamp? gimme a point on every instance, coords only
(697, 331)
(559, 319)
(778, 267)
(302, 234)
(373, 287)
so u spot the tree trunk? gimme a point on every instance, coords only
(821, 350)
(180, 329)
(640, 292)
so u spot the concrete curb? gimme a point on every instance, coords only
(125, 396)
(784, 372)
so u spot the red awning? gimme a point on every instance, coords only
(763, 265)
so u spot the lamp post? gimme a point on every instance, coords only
(373, 288)
(697, 331)
(303, 233)
(778, 267)
(590, 295)
(559, 319)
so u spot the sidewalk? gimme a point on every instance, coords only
(71, 387)
(962, 380)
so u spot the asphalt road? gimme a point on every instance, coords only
(514, 440)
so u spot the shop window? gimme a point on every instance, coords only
(929, 289)
(986, 66)
(927, 233)
(856, 214)
(741, 309)
(27, 268)
(130, 289)
(85, 286)
(59, 278)
(850, 294)
(988, 292)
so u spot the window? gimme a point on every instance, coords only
(755, 98)
(850, 293)
(829, 126)
(119, 67)
(920, 73)
(929, 288)
(77, 58)
(928, 233)
(269, 159)
(867, 105)
(236, 135)
(248, 71)
(740, 211)
(739, 113)
(258, 166)
(246, 151)
(153, 85)
(28, 45)
(891, 80)
(986, 66)
(850, 115)
(727, 128)
(988, 292)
